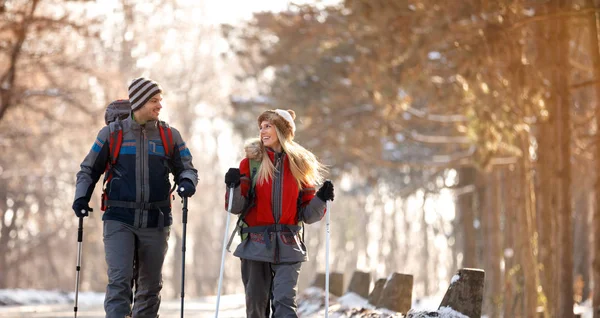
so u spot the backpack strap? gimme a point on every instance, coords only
(166, 136)
(114, 146)
(254, 165)
(115, 142)
(299, 220)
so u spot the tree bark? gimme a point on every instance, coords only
(565, 231)
(492, 245)
(510, 273)
(547, 209)
(467, 177)
(425, 272)
(594, 22)
(526, 232)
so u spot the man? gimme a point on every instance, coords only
(136, 198)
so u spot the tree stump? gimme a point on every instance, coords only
(397, 293)
(375, 294)
(319, 281)
(465, 293)
(360, 284)
(336, 283)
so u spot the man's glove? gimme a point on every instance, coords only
(186, 188)
(232, 177)
(81, 207)
(326, 191)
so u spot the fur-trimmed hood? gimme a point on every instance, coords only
(253, 149)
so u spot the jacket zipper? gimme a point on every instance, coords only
(142, 168)
(278, 195)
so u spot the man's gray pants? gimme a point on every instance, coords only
(265, 281)
(120, 243)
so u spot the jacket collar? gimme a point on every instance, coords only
(273, 154)
(254, 150)
(135, 126)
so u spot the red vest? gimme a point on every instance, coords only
(262, 212)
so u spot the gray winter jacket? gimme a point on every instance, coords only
(141, 174)
(279, 205)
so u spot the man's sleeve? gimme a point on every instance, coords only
(93, 166)
(182, 160)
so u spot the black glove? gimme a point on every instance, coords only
(186, 188)
(326, 191)
(232, 177)
(81, 207)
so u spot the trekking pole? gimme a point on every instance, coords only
(78, 268)
(185, 215)
(327, 234)
(231, 188)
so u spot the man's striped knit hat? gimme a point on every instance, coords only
(141, 90)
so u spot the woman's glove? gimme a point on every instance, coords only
(232, 177)
(326, 191)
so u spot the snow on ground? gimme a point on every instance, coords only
(45, 304)
(584, 309)
(312, 304)
(15, 297)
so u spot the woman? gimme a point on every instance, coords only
(274, 192)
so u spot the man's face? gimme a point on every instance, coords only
(151, 109)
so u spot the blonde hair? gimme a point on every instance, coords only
(305, 167)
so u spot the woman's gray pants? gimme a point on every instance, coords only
(121, 243)
(266, 282)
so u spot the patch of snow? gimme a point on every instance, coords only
(454, 279)
(445, 312)
(16, 297)
(354, 300)
(584, 309)
(433, 55)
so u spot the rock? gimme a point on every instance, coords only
(375, 294)
(397, 293)
(360, 284)
(336, 283)
(465, 293)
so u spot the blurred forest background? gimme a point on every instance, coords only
(458, 134)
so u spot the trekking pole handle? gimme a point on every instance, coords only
(185, 209)
(80, 230)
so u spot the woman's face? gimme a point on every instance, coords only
(268, 135)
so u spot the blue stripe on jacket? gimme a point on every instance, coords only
(155, 148)
(97, 146)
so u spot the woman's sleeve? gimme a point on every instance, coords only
(240, 193)
(312, 209)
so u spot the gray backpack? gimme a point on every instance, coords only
(119, 109)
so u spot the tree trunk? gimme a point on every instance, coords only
(565, 231)
(3, 239)
(595, 55)
(425, 273)
(547, 209)
(581, 255)
(467, 178)
(511, 276)
(492, 244)
(525, 223)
